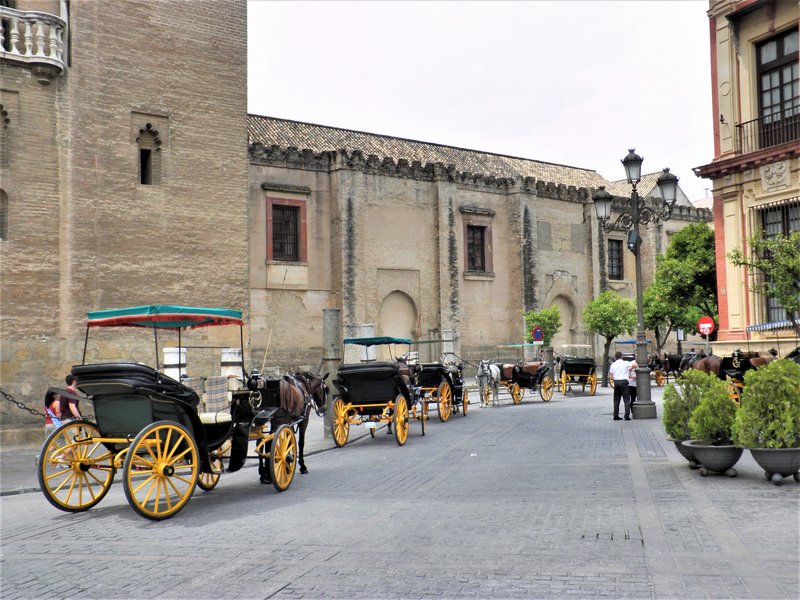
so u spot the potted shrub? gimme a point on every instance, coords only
(711, 426)
(768, 422)
(680, 399)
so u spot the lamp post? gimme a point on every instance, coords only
(637, 213)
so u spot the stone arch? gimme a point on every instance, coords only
(562, 294)
(397, 317)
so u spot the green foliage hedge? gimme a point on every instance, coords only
(680, 400)
(770, 413)
(712, 421)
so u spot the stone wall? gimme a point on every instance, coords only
(84, 233)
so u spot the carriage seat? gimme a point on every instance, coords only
(215, 406)
(531, 368)
(507, 370)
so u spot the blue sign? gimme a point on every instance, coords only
(537, 334)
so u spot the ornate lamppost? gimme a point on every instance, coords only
(638, 213)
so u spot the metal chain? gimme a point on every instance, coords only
(11, 399)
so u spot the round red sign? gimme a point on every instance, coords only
(537, 334)
(705, 325)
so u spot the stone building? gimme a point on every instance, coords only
(123, 172)
(755, 84)
(422, 240)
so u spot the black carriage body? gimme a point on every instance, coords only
(374, 384)
(529, 375)
(578, 367)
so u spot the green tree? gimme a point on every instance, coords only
(778, 262)
(549, 319)
(686, 274)
(662, 315)
(609, 315)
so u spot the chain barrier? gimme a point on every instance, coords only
(11, 399)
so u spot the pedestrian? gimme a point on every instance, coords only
(51, 420)
(66, 407)
(619, 370)
(632, 380)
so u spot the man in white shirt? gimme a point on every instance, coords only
(619, 371)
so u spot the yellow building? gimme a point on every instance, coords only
(756, 166)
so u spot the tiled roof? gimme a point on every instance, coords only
(270, 131)
(648, 186)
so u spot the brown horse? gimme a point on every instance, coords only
(708, 364)
(299, 393)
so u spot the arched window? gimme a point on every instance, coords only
(3, 215)
(149, 148)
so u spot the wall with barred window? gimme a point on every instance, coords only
(82, 230)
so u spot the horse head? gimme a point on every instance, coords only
(316, 389)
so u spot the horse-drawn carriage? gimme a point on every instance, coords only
(515, 378)
(372, 392)
(573, 369)
(442, 384)
(147, 424)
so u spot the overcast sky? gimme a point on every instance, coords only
(568, 82)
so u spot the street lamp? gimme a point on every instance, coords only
(638, 213)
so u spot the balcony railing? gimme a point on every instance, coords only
(35, 39)
(768, 131)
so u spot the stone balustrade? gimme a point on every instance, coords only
(35, 39)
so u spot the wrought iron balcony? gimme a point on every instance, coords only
(768, 131)
(33, 39)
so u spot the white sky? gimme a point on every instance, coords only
(569, 82)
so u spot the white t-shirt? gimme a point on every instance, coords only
(619, 370)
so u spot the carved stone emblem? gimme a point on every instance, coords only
(774, 175)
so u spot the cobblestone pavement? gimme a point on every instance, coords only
(539, 500)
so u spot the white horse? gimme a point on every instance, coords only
(488, 378)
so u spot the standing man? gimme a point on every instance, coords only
(619, 372)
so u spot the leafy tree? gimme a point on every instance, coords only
(549, 319)
(662, 315)
(609, 315)
(778, 260)
(686, 274)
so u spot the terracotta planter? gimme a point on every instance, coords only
(715, 459)
(778, 463)
(686, 452)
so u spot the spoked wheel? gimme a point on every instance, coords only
(401, 420)
(734, 391)
(546, 388)
(487, 395)
(283, 458)
(445, 404)
(340, 425)
(564, 380)
(592, 384)
(160, 470)
(516, 393)
(208, 481)
(75, 472)
(464, 402)
(660, 379)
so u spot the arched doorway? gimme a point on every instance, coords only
(397, 317)
(565, 335)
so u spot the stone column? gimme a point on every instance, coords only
(331, 358)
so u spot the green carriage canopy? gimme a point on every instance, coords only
(164, 316)
(377, 341)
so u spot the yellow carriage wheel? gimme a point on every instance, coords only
(660, 379)
(546, 388)
(487, 395)
(592, 384)
(464, 402)
(445, 404)
(283, 457)
(516, 393)
(564, 380)
(340, 424)
(75, 472)
(218, 458)
(401, 419)
(160, 470)
(734, 391)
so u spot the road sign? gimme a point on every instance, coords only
(537, 334)
(705, 325)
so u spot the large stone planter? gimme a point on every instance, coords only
(778, 463)
(686, 452)
(715, 459)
